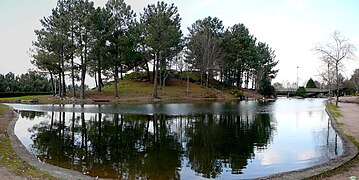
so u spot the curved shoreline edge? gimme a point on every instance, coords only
(24, 154)
(350, 151)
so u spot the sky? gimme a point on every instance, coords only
(291, 27)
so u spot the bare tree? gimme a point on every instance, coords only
(327, 73)
(336, 51)
(204, 47)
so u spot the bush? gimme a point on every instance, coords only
(266, 88)
(137, 76)
(301, 92)
(194, 76)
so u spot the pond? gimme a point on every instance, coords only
(221, 140)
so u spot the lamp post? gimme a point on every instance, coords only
(297, 77)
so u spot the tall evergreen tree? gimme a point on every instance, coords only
(84, 10)
(240, 48)
(161, 33)
(310, 84)
(123, 18)
(100, 30)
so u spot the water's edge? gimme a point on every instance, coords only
(350, 151)
(24, 154)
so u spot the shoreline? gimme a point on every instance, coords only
(350, 152)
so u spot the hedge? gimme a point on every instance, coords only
(19, 94)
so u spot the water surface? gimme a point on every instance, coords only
(221, 140)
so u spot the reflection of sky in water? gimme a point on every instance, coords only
(301, 138)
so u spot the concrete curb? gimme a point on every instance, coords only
(350, 151)
(23, 153)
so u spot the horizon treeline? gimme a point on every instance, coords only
(79, 39)
(29, 82)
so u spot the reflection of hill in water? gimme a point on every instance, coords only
(216, 108)
(150, 146)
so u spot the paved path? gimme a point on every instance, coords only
(349, 123)
(6, 174)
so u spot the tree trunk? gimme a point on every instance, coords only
(239, 79)
(121, 70)
(99, 78)
(116, 82)
(83, 71)
(337, 74)
(52, 84)
(155, 93)
(253, 82)
(96, 84)
(60, 82)
(72, 77)
(72, 65)
(207, 79)
(148, 72)
(160, 74)
(329, 83)
(201, 78)
(83, 75)
(221, 75)
(154, 69)
(247, 79)
(63, 75)
(187, 81)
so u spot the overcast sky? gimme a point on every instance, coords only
(291, 27)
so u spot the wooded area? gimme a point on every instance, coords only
(79, 39)
(29, 82)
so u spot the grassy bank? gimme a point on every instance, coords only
(8, 157)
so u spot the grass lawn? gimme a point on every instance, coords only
(334, 110)
(23, 98)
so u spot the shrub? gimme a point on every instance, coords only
(301, 92)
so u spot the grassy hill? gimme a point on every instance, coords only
(141, 92)
(134, 91)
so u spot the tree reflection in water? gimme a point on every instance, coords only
(225, 141)
(130, 146)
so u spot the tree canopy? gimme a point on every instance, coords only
(77, 40)
(28, 82)
(310, 84)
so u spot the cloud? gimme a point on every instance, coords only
(299, 5)
(270, 158)
(307, 155)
